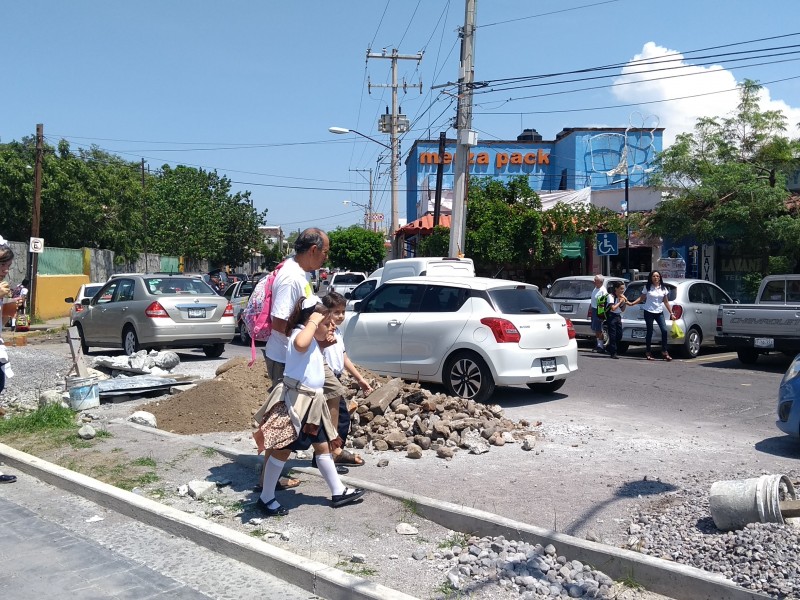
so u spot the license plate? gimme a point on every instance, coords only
(197, 313)
(568, 308)
(639, 334)
(548, 365)
(763, 342)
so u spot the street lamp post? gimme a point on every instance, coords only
(393, 168)
(367, 211)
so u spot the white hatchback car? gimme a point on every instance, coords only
(468, 333)
(87, 290)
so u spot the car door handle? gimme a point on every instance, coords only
(394, 323)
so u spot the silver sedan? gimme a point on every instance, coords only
(136, 311)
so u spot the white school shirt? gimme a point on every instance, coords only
(334, 354)
(612, 299)
(290, 284)
(306, 367)
(654, 299)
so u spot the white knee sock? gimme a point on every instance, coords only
(272, 472)
(327, 469)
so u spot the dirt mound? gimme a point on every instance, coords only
(225, 403)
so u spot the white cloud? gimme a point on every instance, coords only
(658, 82)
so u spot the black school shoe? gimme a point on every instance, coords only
(262, 506)
(350, 495)
(8, 478)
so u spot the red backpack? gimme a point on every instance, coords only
(256, 315)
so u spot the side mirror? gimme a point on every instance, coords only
(69, 300)
(348, 295)
(357, 306)
(86, 301)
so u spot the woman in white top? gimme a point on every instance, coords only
(296, 415)
(654, 296)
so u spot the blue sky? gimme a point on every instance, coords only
(250, 88)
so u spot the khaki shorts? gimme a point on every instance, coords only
(333, 388)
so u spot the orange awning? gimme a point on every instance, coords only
(423, 225)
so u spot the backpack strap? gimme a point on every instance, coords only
(265, 315)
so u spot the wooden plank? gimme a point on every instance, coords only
(74, 341)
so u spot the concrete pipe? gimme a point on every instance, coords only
(734, 504)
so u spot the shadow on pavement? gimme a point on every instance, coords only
(782, 445)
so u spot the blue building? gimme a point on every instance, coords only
(579, 157)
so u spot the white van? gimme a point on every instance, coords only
(411, 267)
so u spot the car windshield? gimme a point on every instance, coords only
(347, 278)
(519, 300)
(90, 290)
(573, 289)
(174, 286)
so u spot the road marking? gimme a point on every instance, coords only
(715, 357)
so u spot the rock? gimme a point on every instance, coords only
(419, 554)
(199, 489)
(406, 529)
(529, 442)
(445, 452)
(413, 451)
(217, 511)
(49, 397)
(380, 445)
(166, 360)
(141, 417)
(183, 490)
(87, 432)
(358, 558)
(508, 438)
(474, 442)
(380, 399)
(396, 440)
(384, 462)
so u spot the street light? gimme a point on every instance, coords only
(627, 229)
(367, 211)
(393, 164)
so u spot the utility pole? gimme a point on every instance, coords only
(37, 209)
(394, 126)
(369, 223)
(144, 220)
(466, 137)
(437, 206)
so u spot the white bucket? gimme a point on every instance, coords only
(734, 504)
(83, 392)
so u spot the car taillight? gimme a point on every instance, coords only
(571, 329)
(677, 310)
(503, 330)
(155, 310)
(228, 310)
(589, 312)
(78, 307)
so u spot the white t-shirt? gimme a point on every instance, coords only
(307, 367)
(334, 354)
(596, 294)
(612, 300)
(654, 299)
(291, 283)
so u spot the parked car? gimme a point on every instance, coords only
(769, 325)
(694, 303)
(571, 297)
(363, 289)
(342, 283)
(156, 311)
(238, 294)
(87, 290)
(468, 333)
(789, 400)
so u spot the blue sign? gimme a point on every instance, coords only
(607, 244)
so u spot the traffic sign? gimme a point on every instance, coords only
(607, 244)
(37, 245)
(376, 217)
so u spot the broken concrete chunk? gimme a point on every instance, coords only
(141, 417)
(199, 489)
(87, 432)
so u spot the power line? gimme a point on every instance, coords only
(554, 12)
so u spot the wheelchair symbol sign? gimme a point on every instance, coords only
(607, 244)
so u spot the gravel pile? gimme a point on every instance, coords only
(763, 557)
(35, 370)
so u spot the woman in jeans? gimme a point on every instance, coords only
(654, 297)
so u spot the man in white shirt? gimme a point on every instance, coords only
(597, 322)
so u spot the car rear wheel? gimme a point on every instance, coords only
(747, 356)
(244, 336)
(691, 343)
(466, 375)
(214, 350)
(84, 345)
(130, 341)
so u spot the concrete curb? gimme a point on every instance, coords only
(315, 577)
(671, 579)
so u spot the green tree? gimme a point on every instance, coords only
(726, 182)
(435, 244)
(356, 249)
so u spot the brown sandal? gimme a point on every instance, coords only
(649, 356)
(348, 458)
(666, 356)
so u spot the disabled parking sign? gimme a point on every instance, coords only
(607, 244)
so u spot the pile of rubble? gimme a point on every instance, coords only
(142, 362)
(406, 417)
